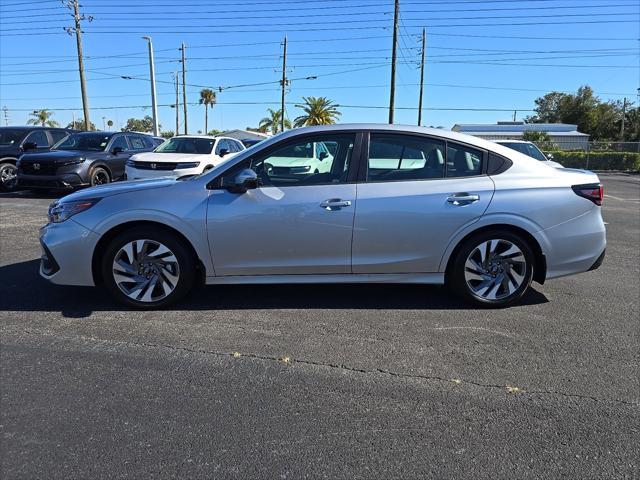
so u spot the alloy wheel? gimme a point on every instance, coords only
(100, 178)
(495, 269)
(146, 270)
(9, 177)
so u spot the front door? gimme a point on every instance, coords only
(417, 193)
(298, 221)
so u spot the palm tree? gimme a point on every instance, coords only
(42, 118)
(109, 124)
(207, 98)
(318, 111)
(273, 122)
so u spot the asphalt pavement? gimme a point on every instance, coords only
(321, 381)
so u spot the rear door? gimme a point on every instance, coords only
(116, 162)
(416, 193)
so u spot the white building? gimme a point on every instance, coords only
(565, 136)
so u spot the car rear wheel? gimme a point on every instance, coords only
(8, 177)
(147, 268)
(492, 269)
(99, 176)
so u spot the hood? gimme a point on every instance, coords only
(58, 156)
(170, 157)
(116, 188)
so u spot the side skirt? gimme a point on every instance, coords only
(421, 278)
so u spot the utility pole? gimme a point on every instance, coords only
(177, 85)
(515, 112)
(392, 94)
(424, 42)
(184, 89)
(624, 114)
(77, 29)
(284, 83)
(152, 75)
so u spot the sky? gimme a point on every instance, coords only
(484, 59)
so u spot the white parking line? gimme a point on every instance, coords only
(623, 199)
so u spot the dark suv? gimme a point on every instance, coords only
(82, 159)
(14, 141)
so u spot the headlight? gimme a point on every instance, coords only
(74, 161)
(180, 166)
(59, 212)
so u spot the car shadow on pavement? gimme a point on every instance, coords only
(25, 290)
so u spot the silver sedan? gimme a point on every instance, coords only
(340, 203)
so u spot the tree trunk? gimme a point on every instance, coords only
(206, 119)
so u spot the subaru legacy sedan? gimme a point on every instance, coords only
(449, 209)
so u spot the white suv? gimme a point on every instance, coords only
(181, 156)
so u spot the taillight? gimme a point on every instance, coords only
(591, 191)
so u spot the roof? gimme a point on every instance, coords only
(519, 134)
(31, 127)
(517, 127)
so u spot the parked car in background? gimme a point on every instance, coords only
(250, 142)
(486, 220)
(530, 149)
(181, 156)
(14, 141)
(82, 159)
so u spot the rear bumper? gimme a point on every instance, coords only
(575, 246)
(65, 182)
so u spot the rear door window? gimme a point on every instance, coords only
(463, 161)
(39, 137)
(404, 157)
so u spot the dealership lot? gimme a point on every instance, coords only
(339, 381)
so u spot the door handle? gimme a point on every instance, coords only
(463, 198)
(335, 204)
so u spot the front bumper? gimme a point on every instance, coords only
(132, 173)
(67, 253)
(67, 181)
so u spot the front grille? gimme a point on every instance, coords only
(36, 168)
(155, 166)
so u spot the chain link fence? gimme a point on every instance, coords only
(621, 156)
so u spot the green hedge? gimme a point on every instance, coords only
(627, 161)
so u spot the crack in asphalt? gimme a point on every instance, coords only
(289, 361)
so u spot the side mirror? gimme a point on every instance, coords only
(323, 155)
(117, 150)
(247, 179)
(223, 152)
(29, 146)
(549, 156)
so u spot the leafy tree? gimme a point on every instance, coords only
(535, 136)
(273, 122)
(109, 124)
(214, 132)
(208, 99)
(632, 125)
(42, 118)
(601, 120)
(139, 125)
(317, 111)
(79, 125)
(167, 134)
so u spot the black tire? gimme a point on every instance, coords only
(457, 281)
(186, 266)
(8, 177)
(99, 176)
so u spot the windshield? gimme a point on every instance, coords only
(198, 146)
(86, 142)
(10, 137)
(526, 148)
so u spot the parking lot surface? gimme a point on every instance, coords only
(338, 381)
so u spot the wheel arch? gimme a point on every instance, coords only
(11, 160)
(540, 265)
(99, 164)
(117, 229)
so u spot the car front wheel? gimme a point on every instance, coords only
(492, 269)
(8, 177)
(147, 268)
(99, 176)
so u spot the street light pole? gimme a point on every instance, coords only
(152, 74)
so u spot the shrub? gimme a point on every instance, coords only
(627, 161)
